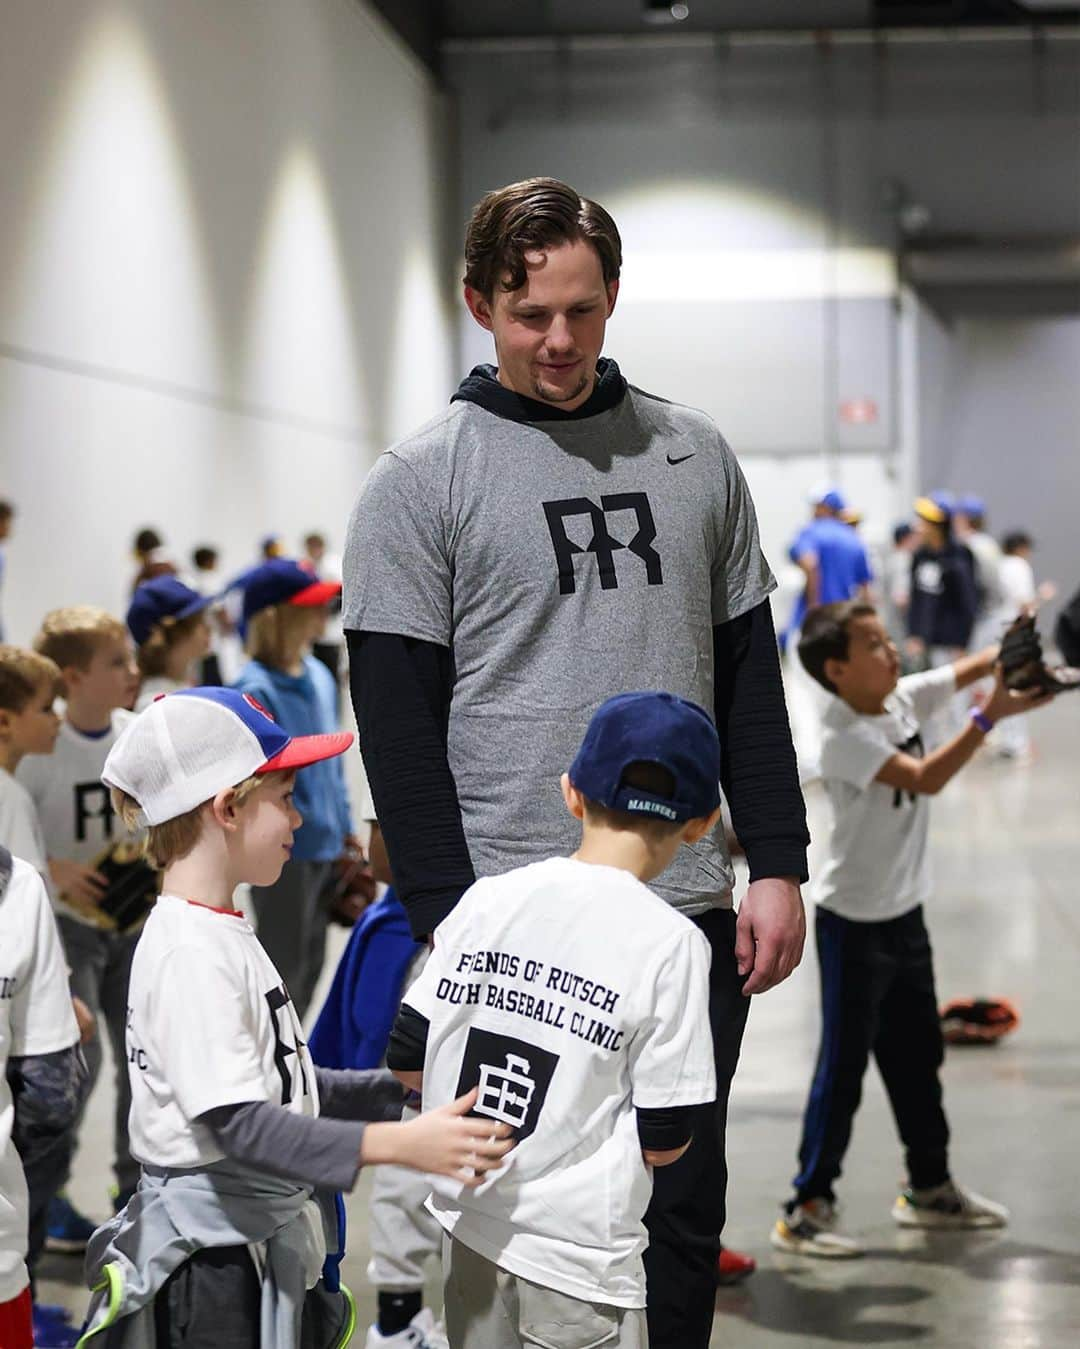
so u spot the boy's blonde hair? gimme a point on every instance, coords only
(72, 635)
(152, 656)
(23, 675)
(272, 632)
(169, 842)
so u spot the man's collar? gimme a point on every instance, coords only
(481, 386)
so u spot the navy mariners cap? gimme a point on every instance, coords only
(656, 728)
(283, 581)
(162, 597)
(189, 745)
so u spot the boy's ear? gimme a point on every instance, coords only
(834, 667)
(696, 830)
(6, 716)
(575, 802)
(224, 808)
(72, 677)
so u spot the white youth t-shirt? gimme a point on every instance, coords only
(570, 994)
(77, 819)
(35, 1018)
(877, 864)
(210, 1023)
(20, 828)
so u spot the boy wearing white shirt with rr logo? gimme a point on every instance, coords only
(575, 1001)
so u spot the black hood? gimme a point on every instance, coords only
(481, 386)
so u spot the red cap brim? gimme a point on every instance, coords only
(319, 592)
(307, 749)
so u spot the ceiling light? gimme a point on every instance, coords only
(661, 11)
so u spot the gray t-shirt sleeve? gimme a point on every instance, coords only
(396, 570)
(741, 578)
(317, 1151)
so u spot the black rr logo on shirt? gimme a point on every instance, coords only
(913, 745)
(92, 802)
(602, 544)
(287, 1045)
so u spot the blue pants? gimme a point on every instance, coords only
(877, 997)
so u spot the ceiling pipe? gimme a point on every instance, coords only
(766, 37)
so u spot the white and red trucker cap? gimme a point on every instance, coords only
(189, 745)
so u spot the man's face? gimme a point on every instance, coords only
(549, 334)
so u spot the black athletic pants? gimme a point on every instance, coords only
(877, 997)
(687, 1212)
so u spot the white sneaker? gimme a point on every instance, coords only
(422, 1332)
(809, 1229)
(947, 1206)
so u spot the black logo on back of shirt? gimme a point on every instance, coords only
(603, 545)
(682, 458)
(512, 1078)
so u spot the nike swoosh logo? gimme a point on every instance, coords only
(682, 458)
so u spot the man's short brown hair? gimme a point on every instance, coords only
(527, 217)
(71, 636)
(25, 674)
(825, 636)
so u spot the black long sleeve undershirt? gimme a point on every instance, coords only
(759, 773)
(401, 691)
(401, 696)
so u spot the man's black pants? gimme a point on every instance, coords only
(687, 1212)
(877, 997)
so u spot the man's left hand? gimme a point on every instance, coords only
(769, 933)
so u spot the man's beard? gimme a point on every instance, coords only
(545, 396)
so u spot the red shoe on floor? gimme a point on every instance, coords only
(733, 1267)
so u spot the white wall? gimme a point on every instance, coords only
(222, 279)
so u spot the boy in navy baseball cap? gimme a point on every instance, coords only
(241, 1139)
(575, 1001)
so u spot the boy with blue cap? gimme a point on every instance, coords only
(167, 620)
(284, 613)
(575, 1001)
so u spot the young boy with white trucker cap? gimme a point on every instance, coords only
(577, 1001)
(242, 1141)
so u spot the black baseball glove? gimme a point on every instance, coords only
(1023, 666)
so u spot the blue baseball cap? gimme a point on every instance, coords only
(189, 745)
(971, 505)
(284, 581)
(656, 728)
(162, 597)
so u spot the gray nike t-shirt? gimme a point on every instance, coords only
(562, 562)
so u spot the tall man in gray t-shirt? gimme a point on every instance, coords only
(557, 536)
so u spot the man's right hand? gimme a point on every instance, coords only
(75, 880)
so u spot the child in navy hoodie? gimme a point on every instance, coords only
(284, 612)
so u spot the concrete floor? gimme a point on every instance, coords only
(1006, 921)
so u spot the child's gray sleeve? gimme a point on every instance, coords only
(316, 1151)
